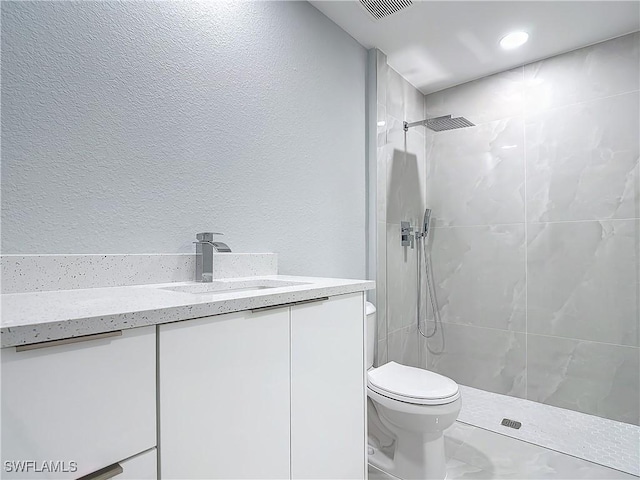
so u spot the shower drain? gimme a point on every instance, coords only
(511, 423)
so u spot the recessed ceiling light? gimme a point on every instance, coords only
(382, 123)
(514, 40)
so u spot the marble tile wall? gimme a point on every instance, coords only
(536, 246)
(401, 191)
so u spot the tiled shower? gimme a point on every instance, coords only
(537, 229)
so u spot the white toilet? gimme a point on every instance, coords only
(409, 410)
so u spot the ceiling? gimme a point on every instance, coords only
(439, 44)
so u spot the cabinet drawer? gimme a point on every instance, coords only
(92, 403)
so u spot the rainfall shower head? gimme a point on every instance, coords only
(440, 124)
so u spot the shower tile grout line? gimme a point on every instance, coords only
(584, 340)
(533, 223)
(526, 244)
(589, 220)
(522, 332)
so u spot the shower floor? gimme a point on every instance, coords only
(598, 440)
(473, 453)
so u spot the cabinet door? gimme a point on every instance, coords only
(140, 467)
(224, 396)
(328, 389)
(92, 403)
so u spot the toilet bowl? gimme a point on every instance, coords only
(412, 407)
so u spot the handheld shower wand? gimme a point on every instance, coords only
(425, 222)
(424, 233)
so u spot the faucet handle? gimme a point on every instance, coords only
(206, 236)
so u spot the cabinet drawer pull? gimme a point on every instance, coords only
(303, 302)
(292, 304)
(104, 473)
(67, 341)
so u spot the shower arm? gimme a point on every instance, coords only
(406, 125)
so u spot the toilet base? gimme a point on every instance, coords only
(381, 461)
(411, 437)
(420, 456)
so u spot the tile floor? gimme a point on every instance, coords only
(598, 440)
(475, 453)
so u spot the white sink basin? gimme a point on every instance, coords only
(221, 286)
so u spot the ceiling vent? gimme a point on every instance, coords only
(383, 8)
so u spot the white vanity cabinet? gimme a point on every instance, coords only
(328, 395)
(276, 392)
(224, 396)
(271, 393)
(91, 402)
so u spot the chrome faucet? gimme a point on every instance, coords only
(205, 246)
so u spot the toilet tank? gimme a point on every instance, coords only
(372, 332)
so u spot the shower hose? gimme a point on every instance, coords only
(431, 293)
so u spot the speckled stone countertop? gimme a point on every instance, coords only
(42, 316)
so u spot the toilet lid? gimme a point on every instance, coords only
(412, 383)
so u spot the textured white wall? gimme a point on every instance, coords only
(129, 127)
